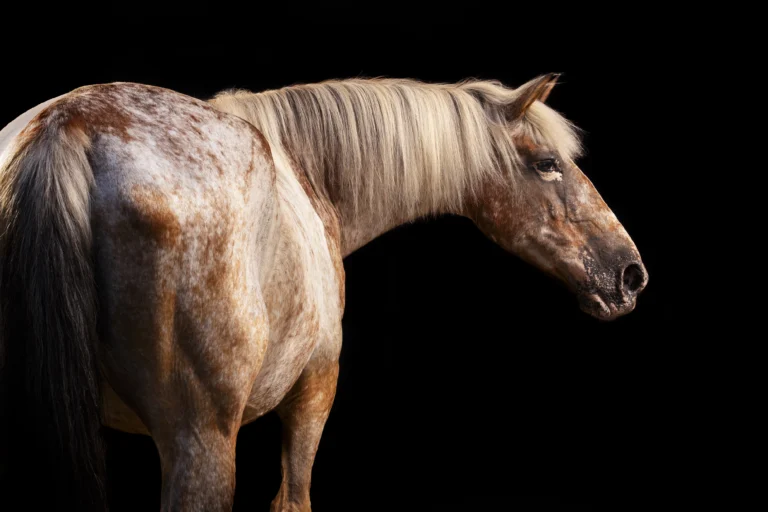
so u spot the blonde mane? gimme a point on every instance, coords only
(381, 144)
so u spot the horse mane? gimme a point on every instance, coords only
(380, 144)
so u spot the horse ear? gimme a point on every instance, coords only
(536, 89)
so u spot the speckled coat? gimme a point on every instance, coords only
(217, 268)
(219, 279)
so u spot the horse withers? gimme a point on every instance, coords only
(173, 267)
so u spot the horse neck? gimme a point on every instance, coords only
(361, 225)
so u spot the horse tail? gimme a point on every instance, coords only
(48, 308)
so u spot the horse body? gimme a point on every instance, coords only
(217, 243)
(169, 225)
(246, 291)
(215, 281)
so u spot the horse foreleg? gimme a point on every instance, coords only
(303, 413)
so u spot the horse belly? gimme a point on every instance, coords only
(294, 324)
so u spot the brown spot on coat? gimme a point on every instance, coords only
(149, 214)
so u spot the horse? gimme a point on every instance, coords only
(174, 267)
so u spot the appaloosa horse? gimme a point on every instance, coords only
(173, 267)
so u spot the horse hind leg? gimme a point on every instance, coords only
(184, 346)
(214, 375)
(198, 469)
(193, 413)
(196, 419)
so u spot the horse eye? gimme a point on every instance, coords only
(546, 166)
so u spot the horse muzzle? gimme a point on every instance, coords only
(611, 291)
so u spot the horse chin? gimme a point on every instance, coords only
(603, 309)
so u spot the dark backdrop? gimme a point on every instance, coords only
(469, 381)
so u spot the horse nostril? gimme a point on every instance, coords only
(633, 278)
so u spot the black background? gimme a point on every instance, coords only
(469, 381)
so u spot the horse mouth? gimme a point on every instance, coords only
(602, 308)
